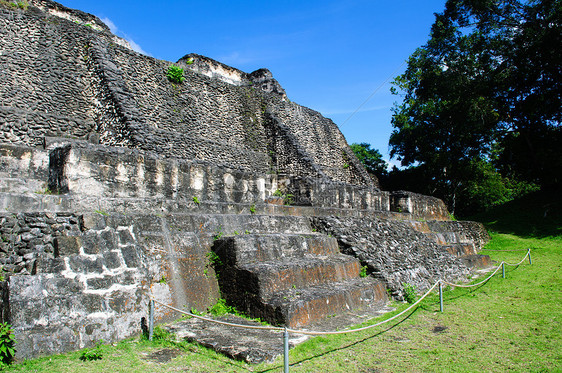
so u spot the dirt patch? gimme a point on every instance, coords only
(439, 329)
(163, 356)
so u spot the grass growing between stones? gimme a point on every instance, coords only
(511, 324)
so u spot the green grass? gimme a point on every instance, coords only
(511, 324)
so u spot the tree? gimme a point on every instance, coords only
(371, 159)
(487, 87)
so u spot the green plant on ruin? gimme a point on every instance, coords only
(190, 60)
(91, 354)
(15, 4)
(196, 200)
(253, 209)
(175, 74)
(46, 191)
(219, 234)
(221, 308)
(194, 311)
(7, 342)
(213, 259)
(363, 272)
(409, 292)
(287, 197)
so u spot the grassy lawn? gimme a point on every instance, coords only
(511, 324)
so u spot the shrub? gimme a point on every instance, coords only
(221, 308)
(175, 74)
(90, 354)
(7, 342)
(363, 272)
(409, 292)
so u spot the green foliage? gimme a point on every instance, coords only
(163, 280)
(175, 74)
(7, 342)
(484, 89)
(15, 4)
(219, 234)
(409, 292)
(253, 209)
(363, 272)
(213, 259)
(221, 308)
(370, 158)
(287, 197)
(196, 200)
(91, 354)
(195, 312)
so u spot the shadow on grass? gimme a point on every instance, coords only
(342, 348)
(536, 215)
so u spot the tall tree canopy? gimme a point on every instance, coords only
(371, 159)
(487, 87)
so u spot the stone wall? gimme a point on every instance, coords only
(65, 75)
(91, 170)
(82, 282)
(393, 251)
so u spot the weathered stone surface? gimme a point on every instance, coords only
(395, 251)
(115, 185)
(292, 280)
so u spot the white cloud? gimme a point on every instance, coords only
(110, 24)
(137, 48)
(115, 30)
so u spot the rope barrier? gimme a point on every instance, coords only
(305, 332)
(222, 322)
(369, 326)
(473, 285)
(522, 260)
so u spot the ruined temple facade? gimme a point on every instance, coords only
(116, 185)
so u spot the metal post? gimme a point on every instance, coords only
(440, 296)
(530, 261)
(503, 270)
(286, 350)
(150, 319)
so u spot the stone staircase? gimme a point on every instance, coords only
(292, 279)
(455, 242)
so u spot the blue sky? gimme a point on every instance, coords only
(329, 55)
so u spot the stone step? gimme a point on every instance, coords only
(445, 238)
(296, 308)
(477, 261)
(18, 185)
(273, 277)
(460, 249)
(212, 225)
(252, 248)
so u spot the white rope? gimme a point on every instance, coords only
(522, 260)
(370, 326)
(305, 332)
(473, 285)
(221, 322)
